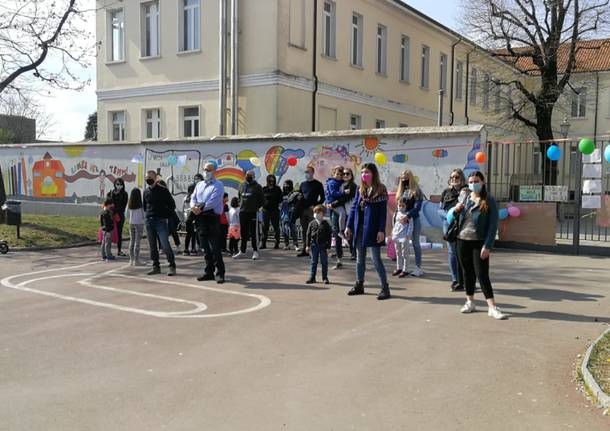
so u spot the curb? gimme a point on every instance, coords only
(591, 385)
(60, 247)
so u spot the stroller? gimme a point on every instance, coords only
(3, 247)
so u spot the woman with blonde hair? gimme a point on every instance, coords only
(410, 193)
(449, 199)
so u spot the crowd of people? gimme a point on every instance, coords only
(338, 215)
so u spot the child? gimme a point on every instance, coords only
(400, 235)
(136, 226)
(234, 226)
(317, 242)
(107, 226)
(224, 223)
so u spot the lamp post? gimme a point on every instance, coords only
(565, 127)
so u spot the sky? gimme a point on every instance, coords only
(70, 109)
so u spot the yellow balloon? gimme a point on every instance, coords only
(255, 161)
(381, 159)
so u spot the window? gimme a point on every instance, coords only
(425, 67)
(355, 122)
(486, 88)
(443, 74)
(329, 29)
(189, 25)
(190, 119)
(297, 23)
(404, 58)
(473, 87)
(152, 124)
(537, 160)
(150, 29)
(379, 124)
(579, 103)
(356, 54)
(382, 42)
(459, 80)
(118, 126)
(117, 35)
(574, 160)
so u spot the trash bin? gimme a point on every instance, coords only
(13, 213)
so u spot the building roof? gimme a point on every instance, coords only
(591, 56)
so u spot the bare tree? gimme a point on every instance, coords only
(541, 38)
(43, 41)
(24, 105)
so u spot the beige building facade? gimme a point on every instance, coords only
(370, 64)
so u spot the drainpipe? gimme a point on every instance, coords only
(596, 106)
(467, 96)
(234, 67)
(314, 94)
(452, 82)
(222, 90)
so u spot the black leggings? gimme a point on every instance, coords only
(473, 267)
(248, 228)
(271, 217)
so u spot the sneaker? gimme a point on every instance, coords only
(120, 253)
(154, 271)
(239, 255)
(397, 272)
(339, 265)
(194, 252)
(255, 255)
(468, 307)
(417, 272)
(172, 271)
(326, 281)
(496, 313)
(311, 280)
(186, 253)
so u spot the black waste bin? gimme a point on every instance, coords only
(13, 213)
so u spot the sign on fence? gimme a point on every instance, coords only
(530, 193)
(555, 193)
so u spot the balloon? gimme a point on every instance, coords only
(480, 157)
(450, 215)
(292, 161)
(607, 154)
(381, 159)
(255, 161)
(503, 214)
(553, 153)
(586, 146)
(172, 160)
(514, 211)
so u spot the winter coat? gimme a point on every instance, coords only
(375, 215)
(319, 234)
(334, 190)
(313, 193)
(119, 200)
(272, 197)
(414, 204)
(487, 222)
(106, 222)
(251, 197)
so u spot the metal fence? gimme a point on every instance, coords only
(578, 184)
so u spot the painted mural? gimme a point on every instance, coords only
(85, 173)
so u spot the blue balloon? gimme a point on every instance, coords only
(503, 214)
(607, 154)
(450, 215)
(553, 153)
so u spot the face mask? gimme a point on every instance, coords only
(287, 189)
(207, 176)
(405, 183)
(318, 216)
(308, 176)
(402, 209)
(197, 180)
(150, 181)
(367, 178)
(118, 186)
(271, 182)
(475, 187)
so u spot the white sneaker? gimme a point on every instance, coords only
(468, 307)
(496, 313)
(417, 272)
(255, 255)
(239, 255)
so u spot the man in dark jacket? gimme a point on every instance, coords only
(272, 198)
(313, 194)
(119, 198)
(251, 198)
(158, 205)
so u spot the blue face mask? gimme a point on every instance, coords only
(475, 187)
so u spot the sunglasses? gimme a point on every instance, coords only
(456, 177)
(347, 174)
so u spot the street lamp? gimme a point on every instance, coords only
(565, 127)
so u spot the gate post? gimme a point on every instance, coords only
(578, 199)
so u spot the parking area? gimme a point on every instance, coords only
(88, 345)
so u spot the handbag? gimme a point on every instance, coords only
(453, 230)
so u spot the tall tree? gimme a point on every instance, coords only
(541, 38)
(91, 128)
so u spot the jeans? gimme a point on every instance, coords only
(135, 233)
(318, 252)
(473, 267)
(336, 225)
(210, 232)
(271, 217)
(416, 244)
(361, 263)
(106, 247)
(290, 232)
(452, 255)
(157, 230)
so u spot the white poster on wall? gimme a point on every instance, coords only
(594, 157)
(592, 186)
(555, 193)
(592, 202)
(592, 171)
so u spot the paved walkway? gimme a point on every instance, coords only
(99, 348)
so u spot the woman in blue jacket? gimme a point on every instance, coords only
(410, 193)
(478, 225)
(366, 228)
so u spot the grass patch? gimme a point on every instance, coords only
(52, 231)
(599, 363)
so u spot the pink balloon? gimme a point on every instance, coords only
(514, 211)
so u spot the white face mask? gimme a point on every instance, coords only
(402, 210)
(207, 176)
(318, 216)
(119, 187)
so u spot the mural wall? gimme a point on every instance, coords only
(84, 174)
